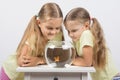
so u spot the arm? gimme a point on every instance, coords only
(86, 59)
(23, 52)
(25, 60)
(32, 61)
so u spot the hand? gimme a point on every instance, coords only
(32, 61)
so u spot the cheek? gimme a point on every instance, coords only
(44, 31)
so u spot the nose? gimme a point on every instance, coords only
(54, 31)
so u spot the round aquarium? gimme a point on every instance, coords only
(59, 53)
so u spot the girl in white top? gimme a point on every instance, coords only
(90, 45)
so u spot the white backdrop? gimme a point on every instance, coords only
(15, 15)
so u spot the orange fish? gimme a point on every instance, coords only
(57, 59)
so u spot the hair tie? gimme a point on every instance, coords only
(37, 18)
(91, 18)
(91, 21)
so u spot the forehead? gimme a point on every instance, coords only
(54, 21)
(72, 24)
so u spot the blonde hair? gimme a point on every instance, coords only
(48, 10)
(81, 15)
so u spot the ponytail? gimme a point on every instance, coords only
(99, 56)
(32, 28)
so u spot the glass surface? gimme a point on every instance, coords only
(59, 53)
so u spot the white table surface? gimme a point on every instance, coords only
(63, 73)
(45, 68)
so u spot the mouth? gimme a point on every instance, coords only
(74, 38)
(51, 36)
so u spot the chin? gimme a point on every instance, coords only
(75, 40)
(50, 38)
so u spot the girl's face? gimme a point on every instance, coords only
(75, 29)
(51, 27)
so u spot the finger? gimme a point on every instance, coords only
(29, 64)
(41, 62)
(26, 57)
(26, 65)
(26, 61)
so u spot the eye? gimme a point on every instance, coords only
(58, 28)
(74, 30)
(49, 28)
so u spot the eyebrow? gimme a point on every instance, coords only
(52, 27)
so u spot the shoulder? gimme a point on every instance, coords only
(33, 36)
(31, 39)
(86, 33)
(86, 38)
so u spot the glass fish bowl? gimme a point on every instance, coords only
(59, 53)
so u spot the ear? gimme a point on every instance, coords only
(38, 21)
(87, 24)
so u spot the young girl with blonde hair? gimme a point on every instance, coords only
(45, 26)
(88, 38)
